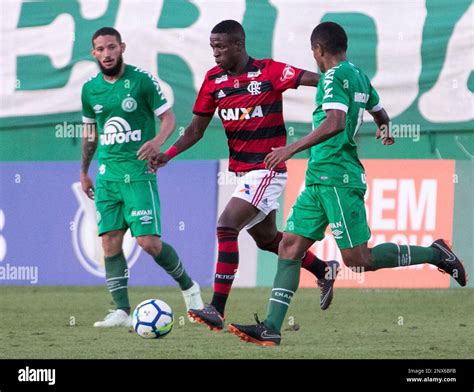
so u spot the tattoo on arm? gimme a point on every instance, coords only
(89, 145)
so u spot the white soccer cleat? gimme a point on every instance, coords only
(115, 318)
(192, 299)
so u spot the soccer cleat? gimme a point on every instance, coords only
(326, 284)
(208, 316)
(257, 333)
(115, 318)
(192, 299)
(450, 263)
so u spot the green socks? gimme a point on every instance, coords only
(116, 275)
(285, 285)
(170, 262)
(390, 255)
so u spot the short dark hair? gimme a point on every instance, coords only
(231, 27)
(107, 31)
(330, 36)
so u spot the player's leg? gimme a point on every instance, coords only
(349, 226)
(267, 237)
(305, 225)
(142, 212)
(167, 258)
(112, 227)
(267, 333)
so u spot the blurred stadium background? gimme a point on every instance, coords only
(419, 55)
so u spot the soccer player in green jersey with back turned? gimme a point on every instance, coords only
(119, 107)
(335, 187)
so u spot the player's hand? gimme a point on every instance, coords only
(277, 156)
(87, 186)
(149, 150)
(158, 161)
(386, 140)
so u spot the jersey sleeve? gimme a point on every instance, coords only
(284, 76)
(336, 92)
(88, 114)
(373, 104)
(154, 96)
(205, 104)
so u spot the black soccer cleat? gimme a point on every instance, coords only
(450, 263)
(326, 284)
(208, 316)
(258, 333)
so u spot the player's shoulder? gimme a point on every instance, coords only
(214, 73)
(92, 80)
(140, 73)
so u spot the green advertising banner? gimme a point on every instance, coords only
(419, 55)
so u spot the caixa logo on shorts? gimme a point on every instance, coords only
(118, 131)
(86, 242)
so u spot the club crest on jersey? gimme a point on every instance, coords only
(229, 114)
(118, 131)
(129, 104)
(287, 73)
(254, 87)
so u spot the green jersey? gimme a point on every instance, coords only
(124, 112)
(335, 162)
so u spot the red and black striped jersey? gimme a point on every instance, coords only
(250, 106)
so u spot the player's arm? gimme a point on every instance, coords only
(334, 123)
(151, 148)
(192, 134)
(309, 78)
(383, 126)
(89, 146)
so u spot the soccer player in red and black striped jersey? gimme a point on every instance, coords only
(247, 94)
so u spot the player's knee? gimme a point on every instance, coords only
(269, 243)
(150, 245)
(112, 243)
(289, 249)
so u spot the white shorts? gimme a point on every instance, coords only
(261, 188)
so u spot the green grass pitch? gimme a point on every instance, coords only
(56, 322)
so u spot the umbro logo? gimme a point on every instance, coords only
(98, 108)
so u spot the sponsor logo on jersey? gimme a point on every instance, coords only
(361, 97)
(98, 109)
(241, 113)
(254, 88)
(223, 78)
(328, 79)
(141, 212)
(220, 94)
(129, 104)
(118, 131)
(287, 73)
(254, 74)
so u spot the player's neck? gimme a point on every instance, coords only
(112, 79)
(240, 66)
(335, 60)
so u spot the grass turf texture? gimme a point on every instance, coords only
(418, 324)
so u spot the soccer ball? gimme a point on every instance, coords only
(152, 319)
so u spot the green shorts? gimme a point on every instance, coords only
(134, 205)
(342, 208)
